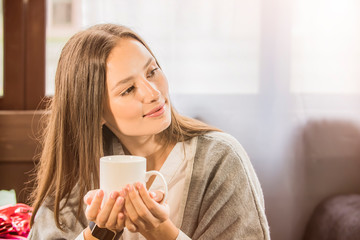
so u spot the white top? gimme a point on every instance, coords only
(177, 170)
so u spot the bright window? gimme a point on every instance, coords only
(325, 46)
(207, 46)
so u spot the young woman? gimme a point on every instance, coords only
(111, 97)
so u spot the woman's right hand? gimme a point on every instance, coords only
(109, 216)
(157, 195)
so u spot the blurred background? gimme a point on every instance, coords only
(282, 76)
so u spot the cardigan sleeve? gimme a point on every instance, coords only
(44, 227)
(225, 200)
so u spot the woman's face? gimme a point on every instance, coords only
(137, 101)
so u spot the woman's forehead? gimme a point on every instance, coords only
(127, 58)
(129, 44)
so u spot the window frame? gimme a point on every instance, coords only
(24, 54)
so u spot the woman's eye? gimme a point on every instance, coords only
(153, 72)
(127, 91)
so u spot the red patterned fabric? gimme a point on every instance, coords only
(15, 221)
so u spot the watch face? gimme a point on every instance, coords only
(101, 233)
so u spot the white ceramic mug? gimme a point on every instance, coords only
(117, 171)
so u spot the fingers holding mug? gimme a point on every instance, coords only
(93, 209)
(103, 215)
(116, 219)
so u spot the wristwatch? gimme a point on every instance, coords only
(104, 233)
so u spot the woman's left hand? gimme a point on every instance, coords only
(156, 195)
(146, 216)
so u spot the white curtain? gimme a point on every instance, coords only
(203, 46)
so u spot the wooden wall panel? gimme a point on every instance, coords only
(14, 52)
(16, 175)
(35, 54)
(24, 54)
(18, 147)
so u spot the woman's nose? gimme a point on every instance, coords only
(149, 92)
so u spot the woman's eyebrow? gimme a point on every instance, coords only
(126, 80)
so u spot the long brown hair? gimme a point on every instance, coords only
(72, 142)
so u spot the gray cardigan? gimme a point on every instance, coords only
(225, 200)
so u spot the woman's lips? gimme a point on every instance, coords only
(156, 111)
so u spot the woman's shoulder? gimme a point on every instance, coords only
(220, 136)
(220, 154)
(216, 148)
(220, 141)
(219, 151)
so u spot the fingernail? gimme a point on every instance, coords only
(113, 195)
(119, 201)
(153, 194)
(99, 193)
(138, 185)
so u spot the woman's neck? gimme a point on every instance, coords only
(149, 147)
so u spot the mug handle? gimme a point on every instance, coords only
(158, 174)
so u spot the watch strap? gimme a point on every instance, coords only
(103, 233)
